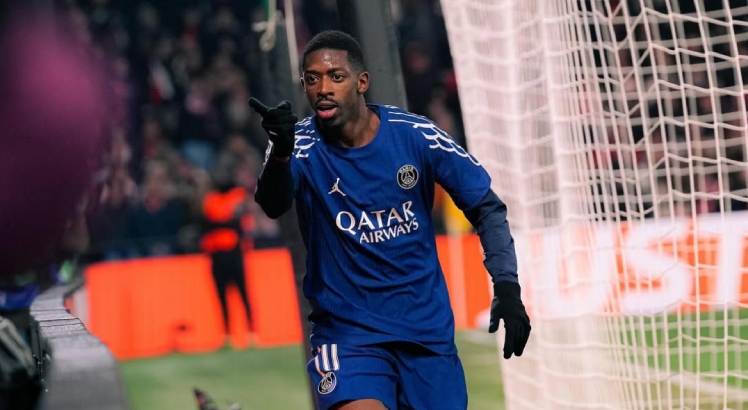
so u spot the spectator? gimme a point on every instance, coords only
(157, 219)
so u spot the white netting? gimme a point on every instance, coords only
(616, 133)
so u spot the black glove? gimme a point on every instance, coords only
(279, 123)
(507, 305)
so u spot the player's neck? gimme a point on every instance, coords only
(357, 132)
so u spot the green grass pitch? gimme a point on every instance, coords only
(709, 343)
(274, 379)
(271, 379)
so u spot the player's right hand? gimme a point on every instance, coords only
(279, 123)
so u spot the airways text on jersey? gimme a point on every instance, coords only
(380, 225)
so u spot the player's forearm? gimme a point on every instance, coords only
(275, 187)
(489, 220)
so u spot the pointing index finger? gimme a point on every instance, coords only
(258, 106)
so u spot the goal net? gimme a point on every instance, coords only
(616, 133)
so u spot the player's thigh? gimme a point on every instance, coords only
(430, 381)
(344, 375)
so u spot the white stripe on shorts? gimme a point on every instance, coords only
(325, 359)
(316, 364)
(334, 355)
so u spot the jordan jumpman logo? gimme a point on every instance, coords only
(336, 188)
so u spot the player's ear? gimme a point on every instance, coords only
(363, 82)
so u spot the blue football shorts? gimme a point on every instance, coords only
(400, 375)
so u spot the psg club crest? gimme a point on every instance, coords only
(327, 384)
(407, 176)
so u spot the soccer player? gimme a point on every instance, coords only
(363, 179)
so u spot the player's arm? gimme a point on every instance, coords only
(489, 219)
(275, 185)
(468, 183)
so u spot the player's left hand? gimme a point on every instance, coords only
(507, 305)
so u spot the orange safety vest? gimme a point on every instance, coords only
(220, 210)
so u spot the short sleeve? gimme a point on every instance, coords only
(458, 172)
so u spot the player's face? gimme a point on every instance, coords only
(332, 86)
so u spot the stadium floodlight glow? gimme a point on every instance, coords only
(616, 133)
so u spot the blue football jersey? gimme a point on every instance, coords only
(365, 216)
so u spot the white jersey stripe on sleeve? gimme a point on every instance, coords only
(437, 137)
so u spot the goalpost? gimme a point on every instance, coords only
(616, 132)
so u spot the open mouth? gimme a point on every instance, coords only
(326, 110)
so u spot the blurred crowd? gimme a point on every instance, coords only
(185, 70)
(182, 73)
(676, 141)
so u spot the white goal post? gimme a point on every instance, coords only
(616, 132)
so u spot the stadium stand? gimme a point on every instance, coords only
(180, 78)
